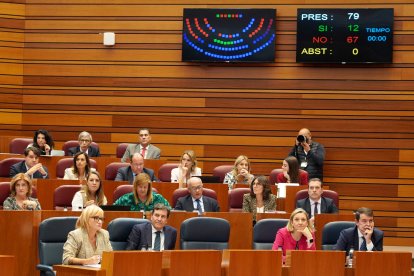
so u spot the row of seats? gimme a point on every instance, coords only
(63, 195)
(195, 233)
(164, 172)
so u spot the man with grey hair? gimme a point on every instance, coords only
(85, 141)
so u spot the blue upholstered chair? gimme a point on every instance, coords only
(264, 232)
(331, 231)
(119, 230)
(53, 233)
(205, 233)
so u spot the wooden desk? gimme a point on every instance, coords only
(117, 263)
(7, 265)
(77, 270)
(382, 263)
(18, 237)
(316, 263)
(191, 263)
(252, 262)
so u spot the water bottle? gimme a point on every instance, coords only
(350, 257)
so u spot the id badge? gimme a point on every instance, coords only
(304, 164)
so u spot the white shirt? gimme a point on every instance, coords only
(154, 234)
(370, 246)
(175, 174)
(77, 202)
(195, 204)
(312, 204)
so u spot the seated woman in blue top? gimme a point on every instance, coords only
(143, 198)
(297, 235)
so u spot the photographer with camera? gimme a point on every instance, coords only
(310, 154)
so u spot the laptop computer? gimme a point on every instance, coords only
(115, 208)
(209, 179)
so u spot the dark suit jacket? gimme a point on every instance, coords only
(20, 167)
(349, 237)
(125, 174)
(141, 236)
(92, 151)
(327, 205)
(186, 203)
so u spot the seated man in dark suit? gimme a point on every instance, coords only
(195, 200)
(362, 237)
(150, 235)
(315, 201)
(85, 141)
(30, 166)
(135, 167)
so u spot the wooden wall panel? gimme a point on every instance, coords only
(56, 74)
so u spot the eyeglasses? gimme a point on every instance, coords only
(84, 141)
(97, 219)
(196, 188)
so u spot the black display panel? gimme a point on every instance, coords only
(229, 35)
(344, 35)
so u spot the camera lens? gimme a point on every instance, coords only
(301, 138)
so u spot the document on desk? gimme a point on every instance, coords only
(93, 265)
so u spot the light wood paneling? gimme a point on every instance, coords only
(66, 81)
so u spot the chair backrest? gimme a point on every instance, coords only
(326, 193)
(275, 172)
(4, 192)
(273, 175)
(221, 171)
(120, 149)
(121, 190)
(119, 230)
(63, 195)
(236, 199)
(5, 165)
(65, 163)
(180, 192)
(53, 233)
(112, 169)
(74, 143)
(18, 145)
(331, 231)
(264, 232)
(205, 233)
(164, 172)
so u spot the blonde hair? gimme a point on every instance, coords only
(17, 178)
(87, 213)
(99, 197)
(290, 227)
(193, 159)
(142, 179)
(238, 161)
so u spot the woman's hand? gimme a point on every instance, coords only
(29, 204)
(305, 231)
(96, 259)
(89, 202)
(47, 148)
(286, 175)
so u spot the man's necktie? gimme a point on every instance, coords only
(315, 209)
(200, 211)
(143, 150)
(157, 242)
(363, 245)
